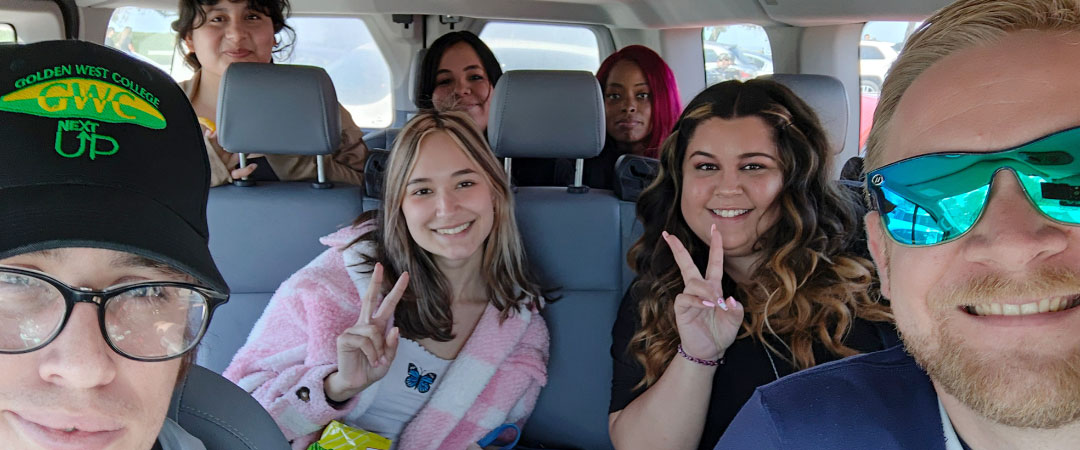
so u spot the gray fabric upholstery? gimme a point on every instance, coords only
(257, 114)
(826, 95)
(259, 236)
(573, 243)
(414, 74)
(631, 231)
(382, 139)
(547, 114)
(222, 415)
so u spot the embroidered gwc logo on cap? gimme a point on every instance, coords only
(83, 97)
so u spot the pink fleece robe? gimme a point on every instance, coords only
(495, 379)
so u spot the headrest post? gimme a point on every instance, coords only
(243, 182)
(507, 166)
(321, 168)
(579, 173)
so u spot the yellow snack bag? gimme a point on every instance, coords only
(209, 124)
(338, 436)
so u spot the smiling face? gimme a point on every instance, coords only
(628, 104)
(975, 311)
(448, 204)
(731, 178)
(233, 32)
(462, 83)
(78, 382)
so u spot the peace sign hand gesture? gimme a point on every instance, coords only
(707, 321)
(366, 350)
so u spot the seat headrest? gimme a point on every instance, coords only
(826, 95)
(278, 109)
(634, 173)
(414, 74)
(547, 114)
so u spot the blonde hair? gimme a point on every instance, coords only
(961, 25)
(424, 310)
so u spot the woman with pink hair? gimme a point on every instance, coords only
(641, 104)
(641, 100)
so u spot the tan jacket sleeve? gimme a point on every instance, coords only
(346, 165)
(219, 172)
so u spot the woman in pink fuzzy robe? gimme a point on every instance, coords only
(325, 347)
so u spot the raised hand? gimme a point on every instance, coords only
(707, 321)
(366, 350)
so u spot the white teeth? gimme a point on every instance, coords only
(1037, 307)
(454, 230)
(730, 212)
(69, 430)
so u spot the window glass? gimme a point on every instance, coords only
(341, 45)
(344, 47)
(735, 52)
(867, 51)
(542, 46)
(7, 32)
(879, 47)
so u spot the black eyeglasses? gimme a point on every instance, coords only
(152, 321)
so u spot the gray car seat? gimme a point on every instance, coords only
(259, 235)
(572, 239)
(826, 95)
(222, 415)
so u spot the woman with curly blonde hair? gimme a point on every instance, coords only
(747, 269)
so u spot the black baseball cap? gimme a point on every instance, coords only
(101, 150)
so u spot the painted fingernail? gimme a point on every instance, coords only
(722, 305)
(708, 303)
(664, 234)
(382, 361)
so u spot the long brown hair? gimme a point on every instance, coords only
(809, 287)
(424, 310)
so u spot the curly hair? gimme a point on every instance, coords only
(809, 287)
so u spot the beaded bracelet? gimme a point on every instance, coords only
(703, 362)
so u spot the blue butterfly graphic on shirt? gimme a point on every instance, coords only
(422, 383)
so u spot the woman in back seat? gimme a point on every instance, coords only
(458, 73)
(641, 104)
(466, 346)
(217, 33)
(744, 212)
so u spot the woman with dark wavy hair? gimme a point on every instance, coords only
(743, 208)
(213, 34)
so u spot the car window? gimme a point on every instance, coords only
(542, 46)
(868, 52)
(7, 33)
(342, 46)
(735, 52)
(878, 48)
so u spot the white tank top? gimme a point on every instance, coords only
(413, 377)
